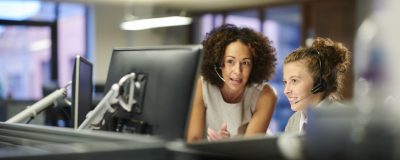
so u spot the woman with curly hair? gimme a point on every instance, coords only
(314, 76)
(231, 96)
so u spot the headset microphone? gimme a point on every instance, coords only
(215, 69)
(302, 99)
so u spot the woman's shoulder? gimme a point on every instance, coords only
(207, 85)
(328, 102)
(262, 93)
(209, 91)
(264, 86)
(266, 89)
(294, 117)
(292, 124)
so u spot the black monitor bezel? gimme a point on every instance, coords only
(193, 49)
(76, 120)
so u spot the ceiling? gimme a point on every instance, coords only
(189, 5)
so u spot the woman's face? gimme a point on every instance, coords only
(298, 84)
(237, 66)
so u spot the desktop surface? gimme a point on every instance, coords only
(23, 141)
(257, 147)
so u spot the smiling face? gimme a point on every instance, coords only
(298, 84)
(237, 66)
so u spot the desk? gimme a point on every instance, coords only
(257, 147)
(23, 141)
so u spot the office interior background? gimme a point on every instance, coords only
(39, 39)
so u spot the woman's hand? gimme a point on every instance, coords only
(222, 134)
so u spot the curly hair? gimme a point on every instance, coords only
(335, 59)
(216, 42)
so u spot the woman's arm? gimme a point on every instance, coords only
(197, 116)
(263, 113)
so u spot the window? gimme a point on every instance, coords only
(282, 25)
(32, 39)
(25, 57)
(71, 38)
(207, 22)
(247, 18)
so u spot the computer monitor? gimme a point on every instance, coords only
(82, 86)
(167, 75)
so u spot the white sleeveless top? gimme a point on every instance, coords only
(237, 115)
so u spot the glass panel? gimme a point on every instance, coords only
(207, 23)
(25, 61)
(218, 20)
(283, 26)
(27, 10)
(72, 39)
(245, 19)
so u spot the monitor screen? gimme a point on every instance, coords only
(82, 86)
(166, 75)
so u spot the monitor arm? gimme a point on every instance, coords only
(114, 95)
(127, 101)
(32, 111)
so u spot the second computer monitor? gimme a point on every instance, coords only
(166, 76)
(82, 86)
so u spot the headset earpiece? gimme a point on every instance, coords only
(319, 85)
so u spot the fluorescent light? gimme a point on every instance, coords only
(25, 9)
(142, 24)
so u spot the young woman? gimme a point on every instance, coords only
(231, 96)
(313, 76)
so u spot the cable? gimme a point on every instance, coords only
(30, 119)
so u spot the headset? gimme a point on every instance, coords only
(320, 84)
(215, 69)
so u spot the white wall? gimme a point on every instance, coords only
(108, 35)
